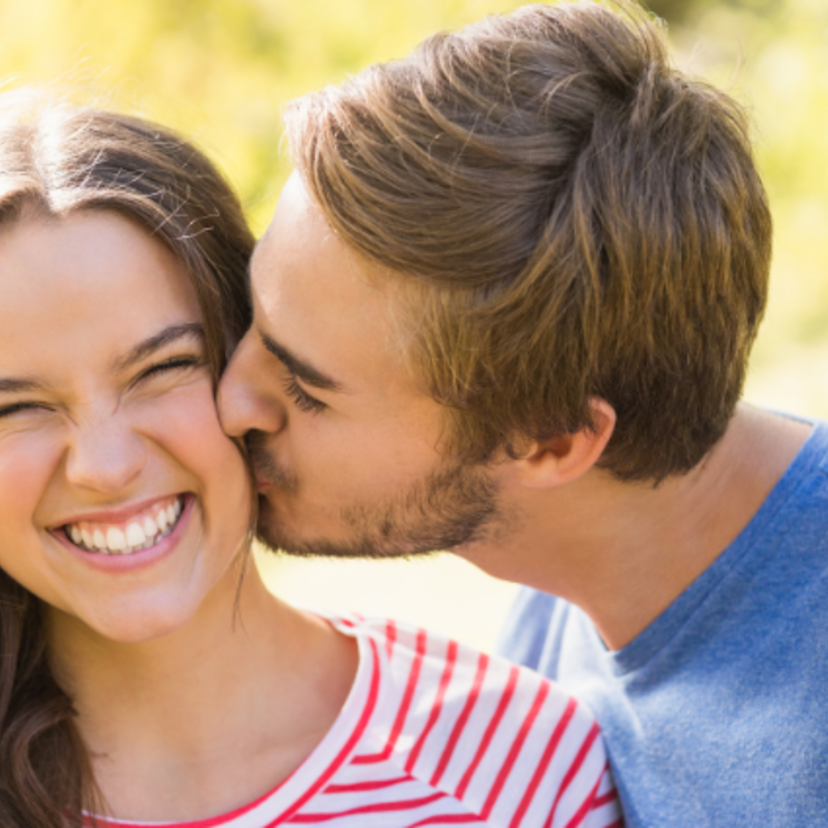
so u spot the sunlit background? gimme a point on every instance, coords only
(220, 70)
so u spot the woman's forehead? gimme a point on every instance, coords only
(92, 283)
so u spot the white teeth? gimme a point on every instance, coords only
(115, 539)
(135, 535)
(140, 533)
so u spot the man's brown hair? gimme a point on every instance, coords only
(573, 217)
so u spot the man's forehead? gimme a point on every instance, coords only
(298, 244)
(324, 299)
(301, 253)
(297, 219)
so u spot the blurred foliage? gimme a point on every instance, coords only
(221, 69)
(773, 56)
(216, 69)
(683, 11)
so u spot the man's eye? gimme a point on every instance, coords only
(303, 400)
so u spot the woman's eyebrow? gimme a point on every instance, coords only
(189, 330)
(14, 386)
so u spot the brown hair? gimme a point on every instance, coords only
(572, 217)
(57, 159)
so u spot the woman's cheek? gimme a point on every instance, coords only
(185, 424)
(182, 417)
(28, 462)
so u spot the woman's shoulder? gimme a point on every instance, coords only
(415, 661)
(488, 732)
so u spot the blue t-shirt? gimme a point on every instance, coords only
(717, 713)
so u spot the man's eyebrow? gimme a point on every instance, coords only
(298, 367)
(189, 330)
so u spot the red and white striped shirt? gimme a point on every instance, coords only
(434, 733)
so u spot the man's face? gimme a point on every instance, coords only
(344, 442)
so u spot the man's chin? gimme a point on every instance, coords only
(275, 535)
(323, 548)
(274, 538)
(450, 510)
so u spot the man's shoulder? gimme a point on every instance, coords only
(792, 518)
(811, 460)
(534, 631)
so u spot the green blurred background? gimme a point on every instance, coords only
(220, 70)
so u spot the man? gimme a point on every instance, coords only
(505, 306)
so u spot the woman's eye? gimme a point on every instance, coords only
(172, 364)
(19, 407)
(303, 400)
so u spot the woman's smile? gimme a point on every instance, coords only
(109, 439)
(131, 529)
(130, 537)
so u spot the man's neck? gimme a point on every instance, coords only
(624, 552)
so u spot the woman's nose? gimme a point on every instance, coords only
(250, 397)
(106, 455)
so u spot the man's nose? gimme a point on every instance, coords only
(106, 455)
(249, 395)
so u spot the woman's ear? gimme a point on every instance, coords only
(561, 459)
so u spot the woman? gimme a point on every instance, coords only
(147, 675)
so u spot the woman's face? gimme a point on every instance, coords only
(122, 503)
